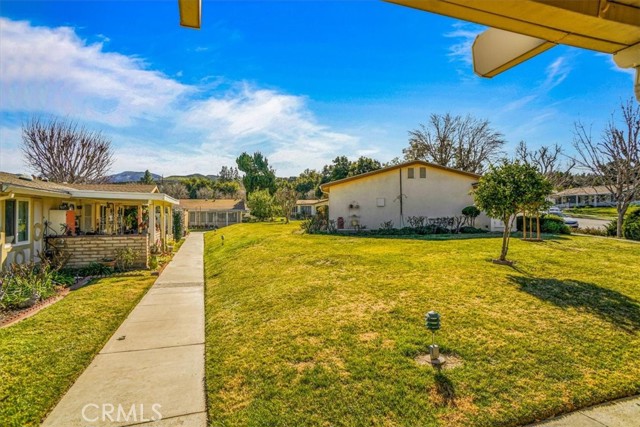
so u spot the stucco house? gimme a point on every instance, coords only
(216, 213)
(394, 193)
(88, 222)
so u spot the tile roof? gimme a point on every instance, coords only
(324, 186)
(117, 188)
(584, 191)
(34, 184)
(213, 205)
(307, 202)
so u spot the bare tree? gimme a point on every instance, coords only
(205, 193)
(464, 143)
(615, 160)
(62, 151)
(177, 190)
(549, 162)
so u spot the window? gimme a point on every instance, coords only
(192, 217)
(16, 221)
(423, 172)
(410, 173)
(211, 217)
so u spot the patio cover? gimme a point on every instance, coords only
(522, 29)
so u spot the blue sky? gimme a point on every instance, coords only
(301, 81)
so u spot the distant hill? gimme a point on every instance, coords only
(193, 175)
(130, 176)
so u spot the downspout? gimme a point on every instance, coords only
(401, 213)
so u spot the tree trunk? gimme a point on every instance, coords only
(524, 225)
(505, 239)
(622, 210)
(538, 225)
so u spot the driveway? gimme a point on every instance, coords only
(592, 223)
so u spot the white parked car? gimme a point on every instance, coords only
(554, 210)
(569, 221)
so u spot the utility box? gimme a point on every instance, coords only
(58, 219)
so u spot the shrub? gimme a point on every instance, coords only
(470, 214)
(178, 225)
(22, 285)
(548, 224)
(153, 262)
(631, 226)
(612, 228)
(387, 225)
(593, 231)
(124, 258)
(472, 230)
(95, 269)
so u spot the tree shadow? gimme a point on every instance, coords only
(442, 237)
(445, 389)
(610, 305)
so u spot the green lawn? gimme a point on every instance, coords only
(599, 213)
(41, 357)
(324, 330)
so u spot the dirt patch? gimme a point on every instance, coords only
(452, 360)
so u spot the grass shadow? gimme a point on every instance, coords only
(610, 305)
(437, 237)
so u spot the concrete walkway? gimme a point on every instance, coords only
(154, 364)
(618, 413)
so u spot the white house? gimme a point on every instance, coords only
(307, 207)
(217, 213)
(395, 193)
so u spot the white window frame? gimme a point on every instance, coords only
(15, 241)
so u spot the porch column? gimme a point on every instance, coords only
(139, 219)
(152, 224)
(163, 232)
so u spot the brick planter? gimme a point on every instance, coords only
(84, 250)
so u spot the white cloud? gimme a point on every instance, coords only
(556, 72)
(465, 34)
(156, 122)
(52, 70)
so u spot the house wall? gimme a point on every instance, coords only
(84, 250)
(30, 250)
(441, 193)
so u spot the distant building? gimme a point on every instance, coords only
(217, 213)
(307, 208)
(598, 195)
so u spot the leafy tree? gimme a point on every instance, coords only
(505, 190)
(338, 169)
(228, 173)
(463, 143)
(62, 151)
(147, 178)
(177, 190)
(258, 175)
(196, 183)
(615, 160)
(363, 165)
(286, 198)
(262, 204)
(307, 182)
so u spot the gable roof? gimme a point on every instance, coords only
(325, 186)
(213, 205)
(117, 188)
